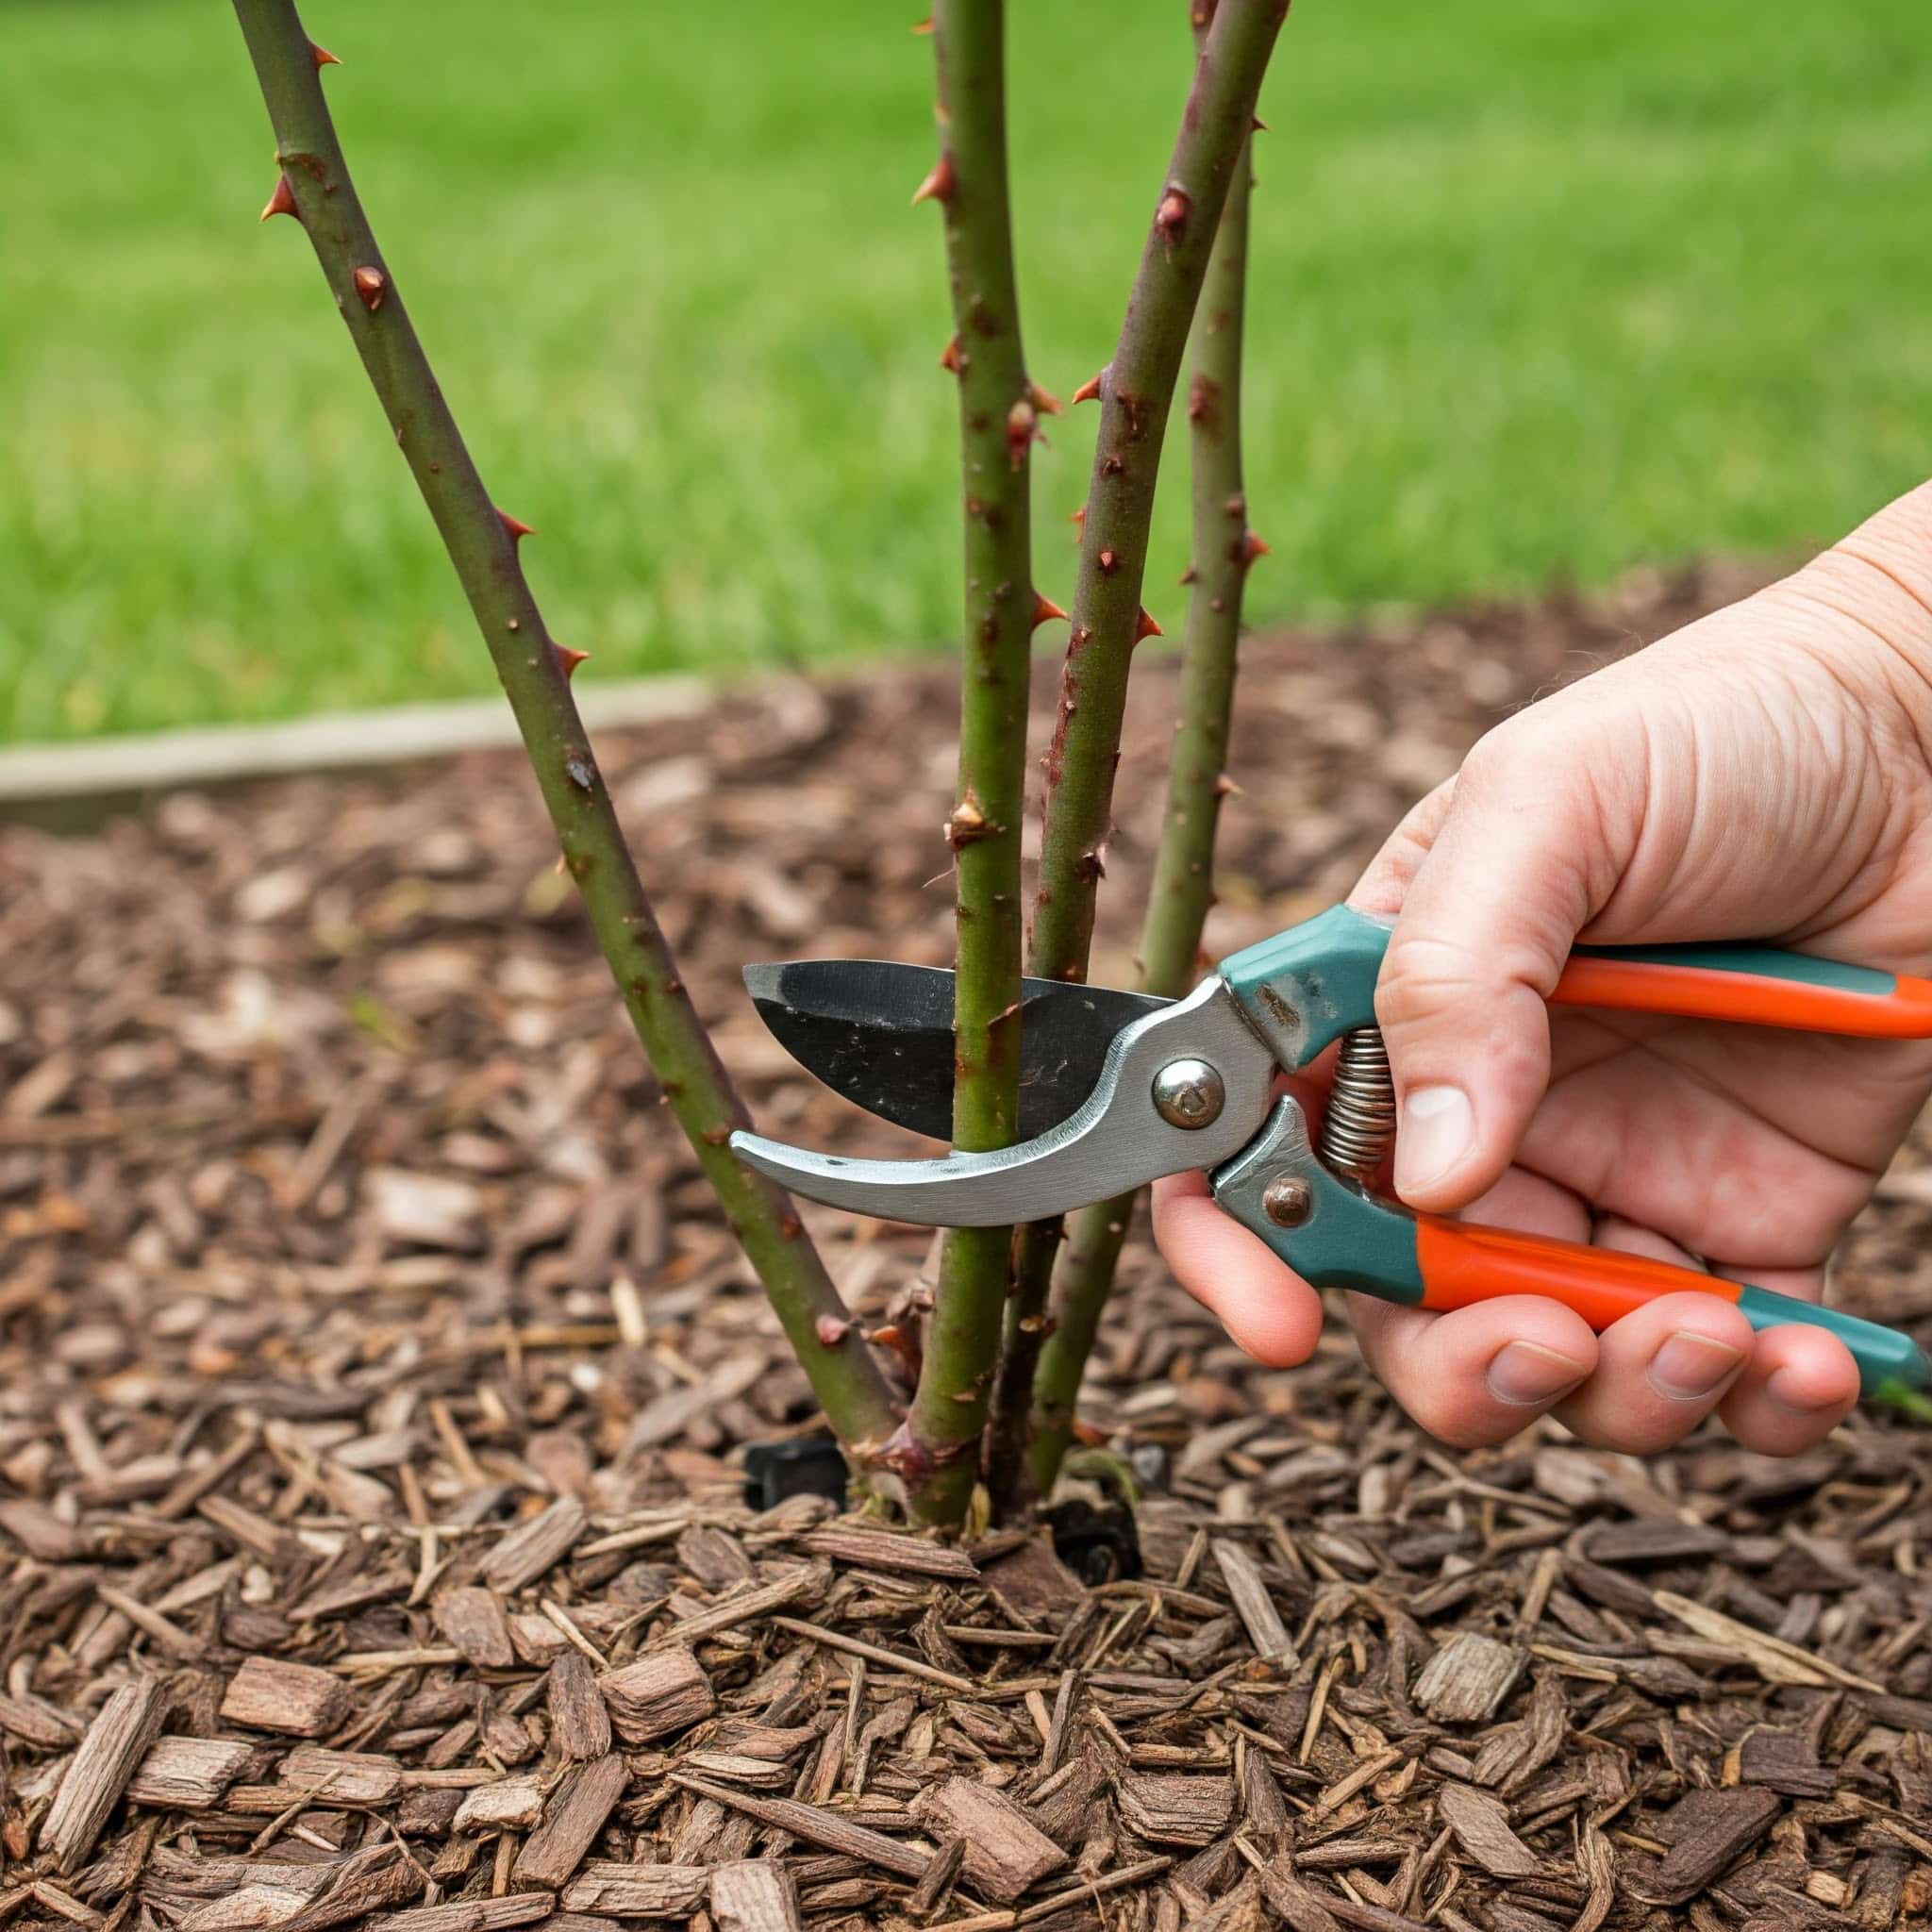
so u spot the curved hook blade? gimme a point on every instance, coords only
(1115, 1141)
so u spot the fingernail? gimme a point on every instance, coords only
(1689, 1366)
(1438, 1124)
(1787, 1391)
(1526, 1375)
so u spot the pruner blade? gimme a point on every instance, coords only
(1118, 1138)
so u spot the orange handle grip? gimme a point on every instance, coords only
(1757, 984)
(1463, 1265)
(1460, 1265)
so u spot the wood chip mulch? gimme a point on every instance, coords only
(374, 1375)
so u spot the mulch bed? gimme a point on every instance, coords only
(375, 1376)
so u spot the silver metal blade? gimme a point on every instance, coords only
(1114, 1141)
(880, 1033)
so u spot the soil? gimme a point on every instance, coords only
(376, 1380)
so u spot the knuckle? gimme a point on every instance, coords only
(1424, 974)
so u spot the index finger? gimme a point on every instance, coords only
(1270, 1310)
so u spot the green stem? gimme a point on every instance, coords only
(1013, 1421)
(1223, 549)
(1134, 395)
(1135, 392)
(998, 412)
(1183, 889)
(536, 678)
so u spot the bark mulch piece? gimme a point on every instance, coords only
(376, 1375)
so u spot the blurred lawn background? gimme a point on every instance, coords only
(1541, 289)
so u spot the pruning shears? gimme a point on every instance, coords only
(1119, 1088)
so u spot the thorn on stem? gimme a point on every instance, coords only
(1077, 516)
(902, 1343)
(1109, 562)
(923, 27)
(322, 57)
(570, 660)
(1224, 787)
(831, 1330)
(1145, 627)
(1044, 610)
(1256, 121)
(1190, 574)
(282, 202)
(1246, 548)
(1171, 217)
(516, 526)
(968, 823)
(1043, 400)
(1089, 391)
(951, 359)
(1023, 426)
(372, 285)
(938, 185)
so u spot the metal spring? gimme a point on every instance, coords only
(1359, 1127)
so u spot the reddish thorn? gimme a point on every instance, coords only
(923, 27)
(1171, 217)
(951, 360)
(938, 185)
(1077, 516)
(372, 285)
(902, 1344)
(1088, 1434)
(830, 1330)
(1146, 627)
(322, 57)
(1189, 574)
(1224, 787)
(1259, 125)
(1252, 547)
(516, 526)
(570, 660)
(282, 202)
(1089, 391)
(1109, 562)
(1043, 400)
(1044, 610)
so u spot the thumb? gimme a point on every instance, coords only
(1516, 865)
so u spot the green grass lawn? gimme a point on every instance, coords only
(1540, 288)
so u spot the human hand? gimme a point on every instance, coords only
(1764, 773)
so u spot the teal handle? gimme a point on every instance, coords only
(1886, 1358)
(1307, 986)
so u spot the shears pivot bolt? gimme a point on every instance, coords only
(1188, 1093)
(1287, 1200)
